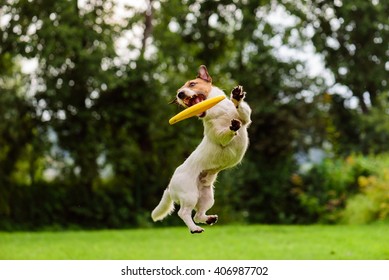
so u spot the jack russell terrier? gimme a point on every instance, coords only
(223, 146)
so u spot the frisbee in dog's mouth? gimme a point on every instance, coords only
(197, 108)
(193, 100)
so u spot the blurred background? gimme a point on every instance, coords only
(84, 91)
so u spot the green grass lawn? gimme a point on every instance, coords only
(316, 242)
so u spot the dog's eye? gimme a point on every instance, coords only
(192, 84)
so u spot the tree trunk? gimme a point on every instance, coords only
(148, 26)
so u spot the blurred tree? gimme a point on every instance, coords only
(74, 46)
(353, 38)
(18, 133)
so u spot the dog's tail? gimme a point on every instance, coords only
(164, 208)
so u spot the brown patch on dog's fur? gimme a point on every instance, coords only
(197, 85)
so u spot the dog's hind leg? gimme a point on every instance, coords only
(183, 190)
(185, 213)
(206, 199)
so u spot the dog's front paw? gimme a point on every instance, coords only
(235, 125)
(237, 94)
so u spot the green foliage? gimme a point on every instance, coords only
(51, 206)
(374, 127)
(352, 190)
(351, 36)
(372, 203)
(359, 210)
(349, 131)
(323, 190)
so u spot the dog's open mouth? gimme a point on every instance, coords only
(194, 99)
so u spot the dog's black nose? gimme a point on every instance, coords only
(181, 95)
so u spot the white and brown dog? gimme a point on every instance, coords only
(223, 146)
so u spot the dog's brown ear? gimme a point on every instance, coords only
(203, 74)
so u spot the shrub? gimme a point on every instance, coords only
(56, 205)
(323, 190)
(352, 190)
(372, 203)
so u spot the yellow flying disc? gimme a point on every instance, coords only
(196, 109)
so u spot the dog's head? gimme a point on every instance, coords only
(195, 91)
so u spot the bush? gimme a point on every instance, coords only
(257, 192)
(352, 190)
(56, 205)
(359, 210)
(372, 203)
